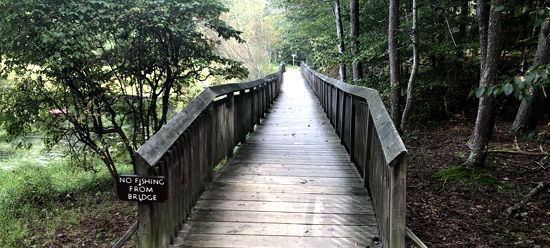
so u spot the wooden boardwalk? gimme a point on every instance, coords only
(290, 185)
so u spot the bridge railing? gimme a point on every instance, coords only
(191, 144)
(366, 130)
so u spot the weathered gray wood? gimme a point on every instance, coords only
(186, 150)
(362, 198)
(276, 229)
(301, 189)
(155, 148)
(218, 240)
(393, 146)
(281, 217)
(374, 145)
(291, 174)
(291, 180)
(286, 207)
(127, 235)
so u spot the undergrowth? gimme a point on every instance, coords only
(34, 196)
(472, 176)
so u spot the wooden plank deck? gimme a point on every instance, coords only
(290, 185)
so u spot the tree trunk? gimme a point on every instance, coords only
(483, 11)
(339, 33)
(416, 59)
(526, 118)
(393, 48)
(357, 66)
(486, 112)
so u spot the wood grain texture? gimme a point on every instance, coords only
(186, 150)
(290, 185)
(375, 147)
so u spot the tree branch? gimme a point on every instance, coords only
(520, 153)
(537, 190)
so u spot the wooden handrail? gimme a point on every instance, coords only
(366, 130)
(188, 147)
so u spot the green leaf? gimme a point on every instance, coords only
(530, 78)
(472, 93)
(508, 88)
(480, 92)
(491, 90)
(518, 12)
(499, 8)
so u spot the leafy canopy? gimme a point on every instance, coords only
(111, 69)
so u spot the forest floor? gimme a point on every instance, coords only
(453, 206)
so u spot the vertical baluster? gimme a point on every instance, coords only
(186, 171)
(209, 124)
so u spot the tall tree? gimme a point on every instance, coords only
(357, 66)
(486, 111)
(395, 64)
(110, 69)
(527, 115)
(340, 35)
(256, 20)
(483, 12)
(416, 60)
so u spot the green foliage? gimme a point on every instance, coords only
(26, 193)
(308, 32)
(471, 175)
(113, 67)
(33, 196)
(449, 48)
(257, 20)
(521, 86)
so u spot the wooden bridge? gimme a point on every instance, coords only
(301, 177)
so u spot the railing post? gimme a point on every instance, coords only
(368, 148)
(241, 112)
(352, 129)
(344, 123)
(230, 123)
(398, 203)
(208, 140)
(146, 230)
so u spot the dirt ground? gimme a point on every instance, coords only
(95, 222)
(469, 211)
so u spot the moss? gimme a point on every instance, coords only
(471, 175)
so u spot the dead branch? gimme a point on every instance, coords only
(414, 238)
(520, 153)
(537, 190)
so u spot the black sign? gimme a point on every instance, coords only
(142, 188)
